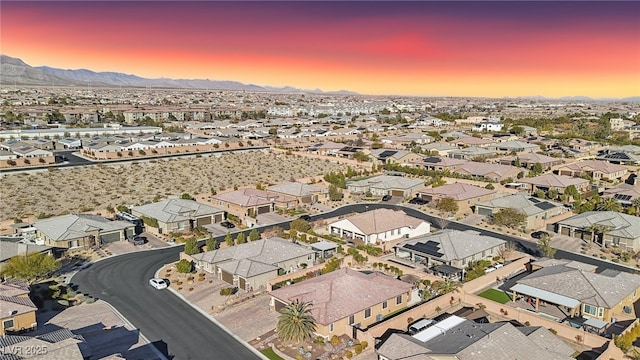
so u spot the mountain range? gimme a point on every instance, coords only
(15, 71)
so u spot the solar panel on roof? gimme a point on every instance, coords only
(430, 248)
(534, 200)
(545, 205)
(387, 153)
(622, 197)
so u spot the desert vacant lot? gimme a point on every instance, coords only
(84, 189)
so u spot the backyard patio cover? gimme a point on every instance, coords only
(324, 245)
(595, 323)
(546, 295)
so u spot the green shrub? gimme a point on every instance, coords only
(226, 291)
(184, 266)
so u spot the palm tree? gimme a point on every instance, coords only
(610, 204)
(446, 286)
(295, 323)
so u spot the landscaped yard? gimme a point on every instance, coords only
(270, 354)
(495, 295)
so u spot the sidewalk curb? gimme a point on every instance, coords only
(213, 320)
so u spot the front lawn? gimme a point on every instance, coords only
(270, 354)
(495, 295)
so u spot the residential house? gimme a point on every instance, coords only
(55, 345)
(438, 148)
(472, 153)
(529, 159)
(304, 193)
(81, 230)
(250, 266)
(252, 202)
(487, 126)
(472, 141)
(555, 182)
(579, 291)
(178, 214)
(624, 193)
(537, 211)
(9, 249)
(515, 146)
(327, 148)
(401, 157)
(595, 169)
(18, 311)
(461, 339)
(345, 298)
(607, 228)
(386, 185)
(448, 252)
(379, 226)
(488, 171)
(466, 196)
(442, 163)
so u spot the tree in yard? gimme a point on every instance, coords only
(537, 169)
(186, 196)
(448, 204)
(636, 204)
(191, 246)
(211, 244)
(544, 244)
(254, 235)
(30, 267)
(476, 269)
(272, 232)
(184, 266)
(300, 225)
(296, 323)
(334, 193)
(240, 239)
(446, 286)
(507, 251)
(509, 217)
(229, 240)
(609, 204)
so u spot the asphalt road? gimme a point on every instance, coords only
(179, 331)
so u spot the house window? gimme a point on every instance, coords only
(331, 327)
(398, 299)
(309, 257)
(588, 309)
(352, 319)
(367, 313)
(7, 324)
(616, 240)
(600, 311)
(384, 304)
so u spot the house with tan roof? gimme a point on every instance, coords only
(434, 163)
(179, 214)
(558, 183)
(528, 160)
(472, 153)
(472, 141)
(624, 193)
(18, 311)
(465, 195)
(580, 292)
(345, 298)
(379, 226)
(514, 146)
(252, 202)
(595, 169)
(250, 266)
(488, 171)
(390, 156)
(386, 185)
(304, 193)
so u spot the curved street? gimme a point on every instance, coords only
(181, 332)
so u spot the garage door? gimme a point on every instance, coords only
(218, 218)
(397, 193)
(484, 211)
(228, 278)
(243, 284)
(109, 238)
(263, 209)
(203, 221)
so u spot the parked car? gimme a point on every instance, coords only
(305, 217)
(227, 224)
(138, 240)
(539, 234)
(158, 283)
(386, 198)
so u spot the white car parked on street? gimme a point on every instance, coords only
(158, 283)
